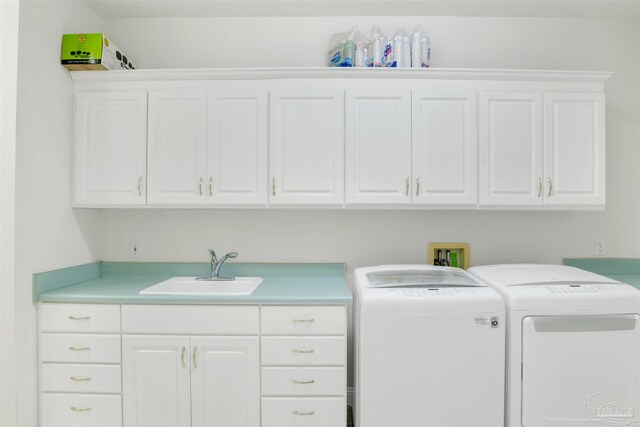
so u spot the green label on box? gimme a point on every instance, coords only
(82, 48)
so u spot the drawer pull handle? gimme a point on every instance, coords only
(81, 409)
(79, 348)
(80, 379)
(303, 320)
(304, 412)
(184, 350)
(303, 381)
(296, 350)
(79, 317)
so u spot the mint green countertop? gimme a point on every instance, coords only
(626, 270)
(119, 283)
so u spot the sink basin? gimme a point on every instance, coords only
(191, 286)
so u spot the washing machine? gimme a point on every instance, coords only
(573, 346)
(430, 348)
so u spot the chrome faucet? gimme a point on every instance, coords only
(216, 265)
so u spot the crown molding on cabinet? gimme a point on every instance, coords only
(325, 72)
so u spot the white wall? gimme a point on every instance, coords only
(9, 14)
(369, 237)
(49, 233)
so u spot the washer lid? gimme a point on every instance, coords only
(404, 276)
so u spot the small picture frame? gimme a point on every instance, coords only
(452, 254)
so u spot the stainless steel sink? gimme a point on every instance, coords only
(191, 286)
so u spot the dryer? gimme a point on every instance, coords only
(573, 346)
(429, 348)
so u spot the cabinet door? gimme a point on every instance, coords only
(177, 148)
(511, 148)
(110, 148)
(444, 147)
(574, 145)
(225, 381)
(378, 148)
(155, 381)
(307, 146)
(237, 147)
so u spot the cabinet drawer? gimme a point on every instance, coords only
(81, 410)
(304, 381)
(80, 378)
(190, 319)
(303, 351)
(80, 318)
(308, 412)
(80, 348)
(304, 320)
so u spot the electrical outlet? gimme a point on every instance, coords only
(134, 250)
(600, 249)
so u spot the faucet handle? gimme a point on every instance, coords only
(232, 255)
(214, 258)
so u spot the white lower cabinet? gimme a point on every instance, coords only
(80, 410)
(80, 377)
(225, 381)
(162, 365)
(156, 381)
(304, 378)
(184, 381)
(308, 412)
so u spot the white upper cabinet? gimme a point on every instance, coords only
(110, 148)
(497, 139)
(225, 381)
(177, 148)
(306, 147)
(511, 170)
(445, 147)
(378, 146)
(237, 147)
(574, 134)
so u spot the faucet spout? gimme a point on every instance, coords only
(216, 265)
(216, 270)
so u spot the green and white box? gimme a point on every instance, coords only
(93, 52)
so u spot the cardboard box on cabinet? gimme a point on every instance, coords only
(93, 52)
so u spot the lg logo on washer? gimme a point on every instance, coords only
(608, 411)
(484, 321)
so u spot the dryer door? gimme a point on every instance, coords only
(580, 370)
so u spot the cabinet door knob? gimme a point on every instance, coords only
(550, 186)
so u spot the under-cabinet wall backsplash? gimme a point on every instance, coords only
(362, 237)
